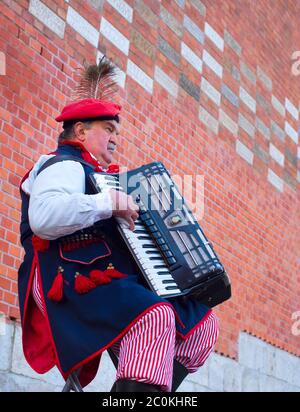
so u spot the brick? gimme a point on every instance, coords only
(232, 43)
(290, 157)
(191, 57)
(146, 13)
(291, 132)
(264, 79)
(275, 180)
(244, 152)
(263, 103)
(291, 108)
(193, 29)
(171, 21)
(168, 51)
(228, 122)
(214, 36)
(180, 3)
(165, 81)
(278, 106)
(123, 8)
(114, 36)
(246, 125)
(208, 120)
(210, 91)
(248, 73)
(229, 95)
(233, 70)
(142, 44)
(199, 6)
(290, 180)
(5, 283)
(276, 154)
(139, 76)
(247, 99)
(97, 4)
(260, 153)
(83, 27)
(212, 63)
(262, 128)
(191, 88)
(277, 131)
(47, 17)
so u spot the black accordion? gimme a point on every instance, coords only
(169, 246)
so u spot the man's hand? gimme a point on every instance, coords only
(123, 206)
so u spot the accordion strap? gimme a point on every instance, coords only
(62, 158)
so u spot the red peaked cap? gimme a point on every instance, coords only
(88, 109)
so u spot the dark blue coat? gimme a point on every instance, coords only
(80, 327)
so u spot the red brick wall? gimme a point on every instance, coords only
(250, 214)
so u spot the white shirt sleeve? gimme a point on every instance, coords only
(58, 205)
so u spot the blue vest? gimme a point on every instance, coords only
(83, 325)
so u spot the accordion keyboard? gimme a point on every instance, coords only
(142, 247)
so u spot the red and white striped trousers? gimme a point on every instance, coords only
(147, 351)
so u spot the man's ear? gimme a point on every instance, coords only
(79, 131)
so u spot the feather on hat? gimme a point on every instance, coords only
(97, 84)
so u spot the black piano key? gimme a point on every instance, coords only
(163, 272)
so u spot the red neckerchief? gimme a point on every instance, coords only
(86, 155)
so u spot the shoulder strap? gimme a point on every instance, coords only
(61, 158)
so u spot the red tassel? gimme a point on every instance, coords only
(83, 284)
(113, 273)
(56, 291)
(99, 277)
(40, 245)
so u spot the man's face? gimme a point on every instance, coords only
(101, 140)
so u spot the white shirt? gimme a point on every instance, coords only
(58, 205)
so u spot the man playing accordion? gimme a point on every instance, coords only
(80, 290)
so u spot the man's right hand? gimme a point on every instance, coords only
(124, 206)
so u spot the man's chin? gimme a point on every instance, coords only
(106, 160)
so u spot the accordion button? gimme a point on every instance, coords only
(171, 260)
(160, 242)
(153, 228)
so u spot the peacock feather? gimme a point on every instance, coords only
(97, 81)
